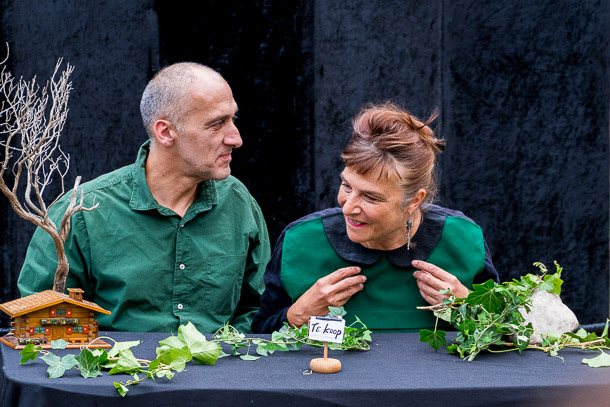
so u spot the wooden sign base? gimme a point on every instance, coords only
(326, 364)
(329, 365)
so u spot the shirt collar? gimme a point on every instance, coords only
(428, 235)
(143, 200)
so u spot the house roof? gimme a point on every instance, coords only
(42, 300)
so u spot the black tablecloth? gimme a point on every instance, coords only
(398, 370)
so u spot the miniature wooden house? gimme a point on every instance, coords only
(47, 316)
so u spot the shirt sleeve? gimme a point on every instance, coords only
(489, 271)
(275, 301)
(38, 270)
(252, 286)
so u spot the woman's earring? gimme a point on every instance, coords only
(409, 225)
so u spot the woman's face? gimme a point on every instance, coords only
(372, 209)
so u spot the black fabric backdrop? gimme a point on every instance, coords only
(522, 89)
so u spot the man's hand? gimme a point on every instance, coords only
(332, 290)
(431, 279)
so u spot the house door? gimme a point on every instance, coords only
(58, 332)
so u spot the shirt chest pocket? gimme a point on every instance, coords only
(220, 283)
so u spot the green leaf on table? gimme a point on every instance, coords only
(248, 357)
(127, 363)
(173, 342)
(121, 389)
(119, 346)
(175, 358)
(59, 344)
(485, 295)
(436, 339)
(29, 352)
(203, 351)
(262, 350)
(88, 364)
(57, 366)
(601, 360)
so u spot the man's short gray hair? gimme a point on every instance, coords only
(168, 94)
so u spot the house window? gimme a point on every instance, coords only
(78, 329)
(47, 330)
(69, 330)
(86, 329)
(39, 330)
(32, 330)
(60, 312)
(52, 312)
(68, 313)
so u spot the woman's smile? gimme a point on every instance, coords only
(355, 223)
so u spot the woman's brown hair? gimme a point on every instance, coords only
(388, 139)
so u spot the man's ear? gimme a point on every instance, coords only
(164, 133)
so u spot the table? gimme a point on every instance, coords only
(398, 370)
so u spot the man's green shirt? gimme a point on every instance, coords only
(151, 268)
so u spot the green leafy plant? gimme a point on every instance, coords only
(188, 345)
(488, 319)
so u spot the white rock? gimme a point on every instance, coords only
(548, 314)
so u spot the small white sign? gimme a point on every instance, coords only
(326, 329)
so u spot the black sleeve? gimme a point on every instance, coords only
(489, 272)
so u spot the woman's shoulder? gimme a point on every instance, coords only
(319, 215)
(440, 211)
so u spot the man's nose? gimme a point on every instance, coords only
(233, 138)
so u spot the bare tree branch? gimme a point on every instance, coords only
(31, 122)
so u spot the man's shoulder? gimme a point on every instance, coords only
(108, 183)
(231, 189)
(120, 175)
(232, 183)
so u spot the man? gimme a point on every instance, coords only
(175, 238)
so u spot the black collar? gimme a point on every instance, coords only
(428, 235)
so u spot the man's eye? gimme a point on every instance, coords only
(370, 198)
(346, 186)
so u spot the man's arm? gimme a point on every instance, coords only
(38, 270)
(252, 285)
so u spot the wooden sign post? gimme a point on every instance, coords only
(326, 329)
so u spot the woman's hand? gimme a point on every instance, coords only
(431, 279)
(332, 290)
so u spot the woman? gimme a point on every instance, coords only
(391, 249)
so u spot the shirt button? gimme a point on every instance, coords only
(180, 306)
(182, 267)
(182, 225)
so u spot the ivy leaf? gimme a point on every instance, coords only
(119, 346)
(121, 389)
(29, 353)
(601, 360)
(173, 342)
(337, 311)
(552, 283)
(127, 363)
(57, 366)
(262, 350)
(88, 364)
(59, 344)
(203, 351)
(485, 295)
(175, 358)
(436, 339)
(249, 357)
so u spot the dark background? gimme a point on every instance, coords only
(522, 89)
